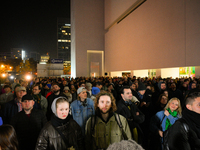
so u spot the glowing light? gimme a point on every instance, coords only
(11, 77)
(3, 75)
(28, 77)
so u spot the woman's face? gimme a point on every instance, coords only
(163, 100)
(173, 105)
(166, 93)
(62, 110)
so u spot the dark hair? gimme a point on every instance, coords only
(7, 86)
(8, 138)
(160, 97)
(37, 85)
(191, 98)
(98, 83)
(56, 83)
(122, 89)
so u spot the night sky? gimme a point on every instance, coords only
(31, 25)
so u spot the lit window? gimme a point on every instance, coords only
(63, 31)
(69, 40)
(69, 33)
(59, 40)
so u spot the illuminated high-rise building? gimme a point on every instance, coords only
(63, 39)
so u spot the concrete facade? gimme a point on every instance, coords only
(49, 70)
(87, 33)
(158, 34)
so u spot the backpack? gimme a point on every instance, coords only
(166, 134)
(117, 119)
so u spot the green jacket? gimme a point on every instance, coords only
(105, 134)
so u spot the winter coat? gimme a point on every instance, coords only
(185, 137)
(133, 119)
(104, 133)
(9, 110)
(50, 139)
(28, 128)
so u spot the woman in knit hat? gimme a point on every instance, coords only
(61, 132)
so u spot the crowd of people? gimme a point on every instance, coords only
(100, 113)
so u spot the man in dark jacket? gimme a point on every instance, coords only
(185, 133)
(14, 106)
(56, 93)
(134, 116)
(28, 124)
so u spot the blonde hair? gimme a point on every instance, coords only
(179, 109)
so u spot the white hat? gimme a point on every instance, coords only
(81, 89)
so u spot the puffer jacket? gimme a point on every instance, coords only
(50, 139)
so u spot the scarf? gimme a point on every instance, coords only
(140, 96)
(174, 114)
(193, 120)
(55, 121)
(37, 98)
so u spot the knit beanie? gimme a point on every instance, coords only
(125, 145)
(141, 86)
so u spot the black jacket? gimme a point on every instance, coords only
(50, 139)
(181, 139)
(130, 114)
(28, 128)
(9, 110)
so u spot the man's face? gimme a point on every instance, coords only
(36, 90)
(195, 106)
(99, 86)
(64, 82)
(27, 104)
(104, 104)
(7, 90)
(173, 86)
(83, 95)
(163, 86)
(127, 96)
(82, 85)
(55, 88)
(193, 86)
(111, 87)
(20, 94)
(142, 92)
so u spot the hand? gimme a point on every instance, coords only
(143, 103)
(166, 113)
(160, 133)
(137, 113)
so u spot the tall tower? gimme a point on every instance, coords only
(63, 39)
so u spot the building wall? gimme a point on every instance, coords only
(49, 70)
(158, 34)
(87, 32)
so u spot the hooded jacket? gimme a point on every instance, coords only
(50, 138)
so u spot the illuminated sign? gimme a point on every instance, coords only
(56, 61)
